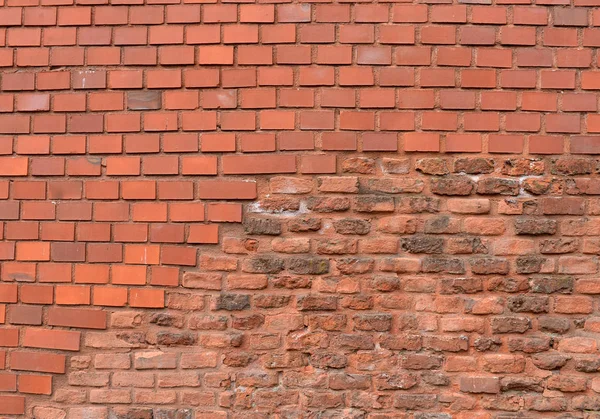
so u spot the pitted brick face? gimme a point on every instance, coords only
(298, 210)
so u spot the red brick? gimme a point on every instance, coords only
(168, 277)
(205, 234)
(91, 274)
(146, 15)
(560, 37)
(563, 123)
(463, 143)
(523, 122)
(219, 13)
(409, 13)
(225, 213)
(570, 17)
(379, 142)
(183, 14)
(33, 251)
(421, 142)
(590, 80)
(579, 102)
(584, 145)
(37, 294)
(498, 58)
(12, 271)
(123, 166)
(339, 141)
(38, 211)
(71, 16)
(457, 100)
(18, 124)
(77, 318)
(204, 165)
(25, 81)
(517, 35)
(112, 297)
(238, 121)
(24, 37)
(439, 121)
(142, 143)
(8, 293)
(37, 361)
(478, 78)
(573, 58)
(35, 384)
(146, 298)
(527, 57)
(474, 35)
(296, 141)
(449, 14)
(8, 382)
(13, 16)
(111, 211)
(68, 56)
(541, 144)
(505, 144)
(454, 56)
(226, 190)
(148, 212)
(25, 315)
(308, 76)
(9, 337)
(524, 15)
(256, 143)
(371, 13)
(318, 164)
(333, 13)
(58, 232)
(28, 190)
(438, 34)
(163, 165)
(110, 15)
(365, 34)
(282, 120)
(538, 101)
(55, 272)
(52, 339)
(72, 295)
(259, 164)
(12, 405)
(296, 54)
(215, 55)
(166, 233)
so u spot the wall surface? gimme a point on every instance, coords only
(352, 210)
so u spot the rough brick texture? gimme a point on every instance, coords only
(215, 209)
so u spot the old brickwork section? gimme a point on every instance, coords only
(294, 210)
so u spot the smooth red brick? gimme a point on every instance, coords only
(35, 384)
(52, 339)
(38, 362)
(77, 318)
(12, 405)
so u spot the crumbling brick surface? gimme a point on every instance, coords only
(216, 209)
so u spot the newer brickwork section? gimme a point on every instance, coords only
(293, 210)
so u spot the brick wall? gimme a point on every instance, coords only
(296, 210)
